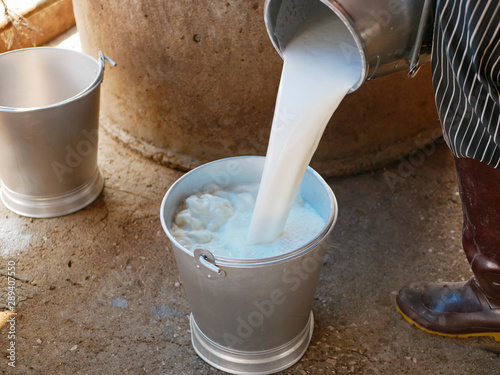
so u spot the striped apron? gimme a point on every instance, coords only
(466, 77)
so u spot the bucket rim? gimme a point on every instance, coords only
(96, 82)
(256, 262)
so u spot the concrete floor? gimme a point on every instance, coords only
(100, 293)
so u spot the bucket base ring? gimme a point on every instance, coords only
(59, 205)
(246, 362)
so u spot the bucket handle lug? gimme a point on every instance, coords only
(205, 261)
(103, 57)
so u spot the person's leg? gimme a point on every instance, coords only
(469, 308)
(479, 186)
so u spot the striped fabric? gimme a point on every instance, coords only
(466, 77)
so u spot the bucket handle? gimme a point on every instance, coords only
(102, 59)
(205, 261)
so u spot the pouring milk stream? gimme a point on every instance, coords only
(317, 74)
(242, 223)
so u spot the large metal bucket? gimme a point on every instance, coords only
(249, 316)
(390, 36)
(49, 117)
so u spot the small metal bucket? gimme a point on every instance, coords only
(249, 316)
(49, 117)
(388, 35)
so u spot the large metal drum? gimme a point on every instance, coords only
(198, 82)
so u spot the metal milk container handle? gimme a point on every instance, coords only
(389, 35)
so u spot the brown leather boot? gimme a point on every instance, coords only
(469, 308)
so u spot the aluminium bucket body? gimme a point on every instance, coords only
(389, 36)
(249, 316)
(49, 117)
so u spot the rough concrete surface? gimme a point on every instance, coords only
(99, 291)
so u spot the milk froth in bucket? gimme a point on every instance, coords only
(218, 220)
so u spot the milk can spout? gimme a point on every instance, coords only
(389, 35)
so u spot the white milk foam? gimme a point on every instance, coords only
(218, 220)
(319, 69)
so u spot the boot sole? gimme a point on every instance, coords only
(495, 335)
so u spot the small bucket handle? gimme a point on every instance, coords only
(204, 260)
(103, 58)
